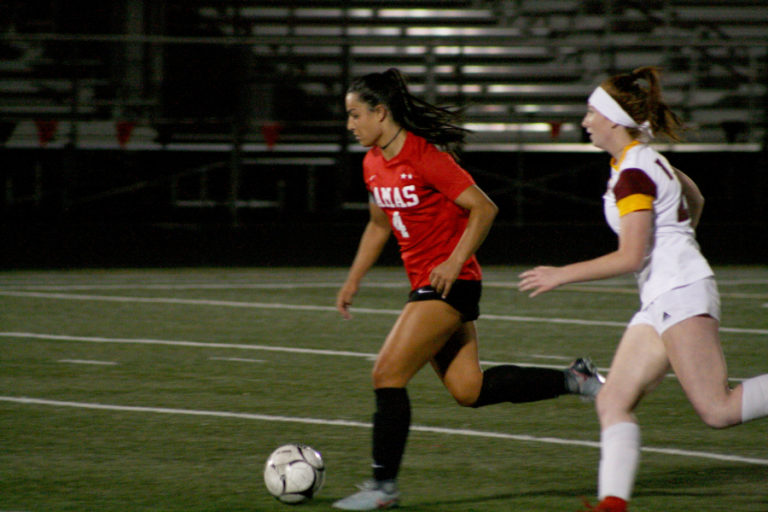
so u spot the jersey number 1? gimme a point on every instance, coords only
(682, 209)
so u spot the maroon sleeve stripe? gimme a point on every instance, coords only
(634, 181)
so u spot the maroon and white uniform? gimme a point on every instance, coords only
(642, 179)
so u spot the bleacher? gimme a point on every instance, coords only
(521, 68)
(188, 128)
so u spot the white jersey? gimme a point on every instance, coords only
(643, 180)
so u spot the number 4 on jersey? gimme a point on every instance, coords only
(398, 224)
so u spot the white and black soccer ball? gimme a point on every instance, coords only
(294, 473)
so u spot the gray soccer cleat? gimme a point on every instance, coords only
(373, 495)
(583, 378)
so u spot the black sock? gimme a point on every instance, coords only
(390, 431)
(509, 383)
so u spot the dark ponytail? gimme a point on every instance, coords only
(639, 94)
(438, 125)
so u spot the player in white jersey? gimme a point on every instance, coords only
(653, 208)
(643, 180)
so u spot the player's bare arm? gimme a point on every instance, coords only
(482, 211)
(633, 243)
(372, 242)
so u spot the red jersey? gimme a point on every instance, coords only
(417, 189)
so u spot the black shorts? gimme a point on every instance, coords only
(464, 297)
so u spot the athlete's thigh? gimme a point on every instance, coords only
(696, 356)
(419, 333)
(458, 364)
(638, 366)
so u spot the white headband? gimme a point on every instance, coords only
(610, 108)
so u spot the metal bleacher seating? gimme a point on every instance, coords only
(521, 68)
(234, 108)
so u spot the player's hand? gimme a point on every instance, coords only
(443, 276)
(539, 279)
(344, 299)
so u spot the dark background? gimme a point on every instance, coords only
(202, 84)
(554, 216)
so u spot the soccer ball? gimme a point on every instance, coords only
(294, 473)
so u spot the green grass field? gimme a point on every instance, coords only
(130, 390)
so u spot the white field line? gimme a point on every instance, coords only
(198, 286)
(173, 343)
(237, 359)
(357, 424)
(294, 350)
(607, 287)
(265, 305)
(170, 300)
(236, 346)
(87, 361)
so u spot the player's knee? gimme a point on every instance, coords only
(718, 412)
(717, 417)
(602, 404)
(465, 390)
(384, 376)
(714, 421)
(465, 398)
(610, 407)
(379, 377)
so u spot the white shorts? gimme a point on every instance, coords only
(678, 304)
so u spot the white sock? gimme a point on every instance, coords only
(620, 456)
(754, 398)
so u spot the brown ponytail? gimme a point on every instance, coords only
(643, 101)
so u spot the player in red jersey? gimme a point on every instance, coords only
(440, 218)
